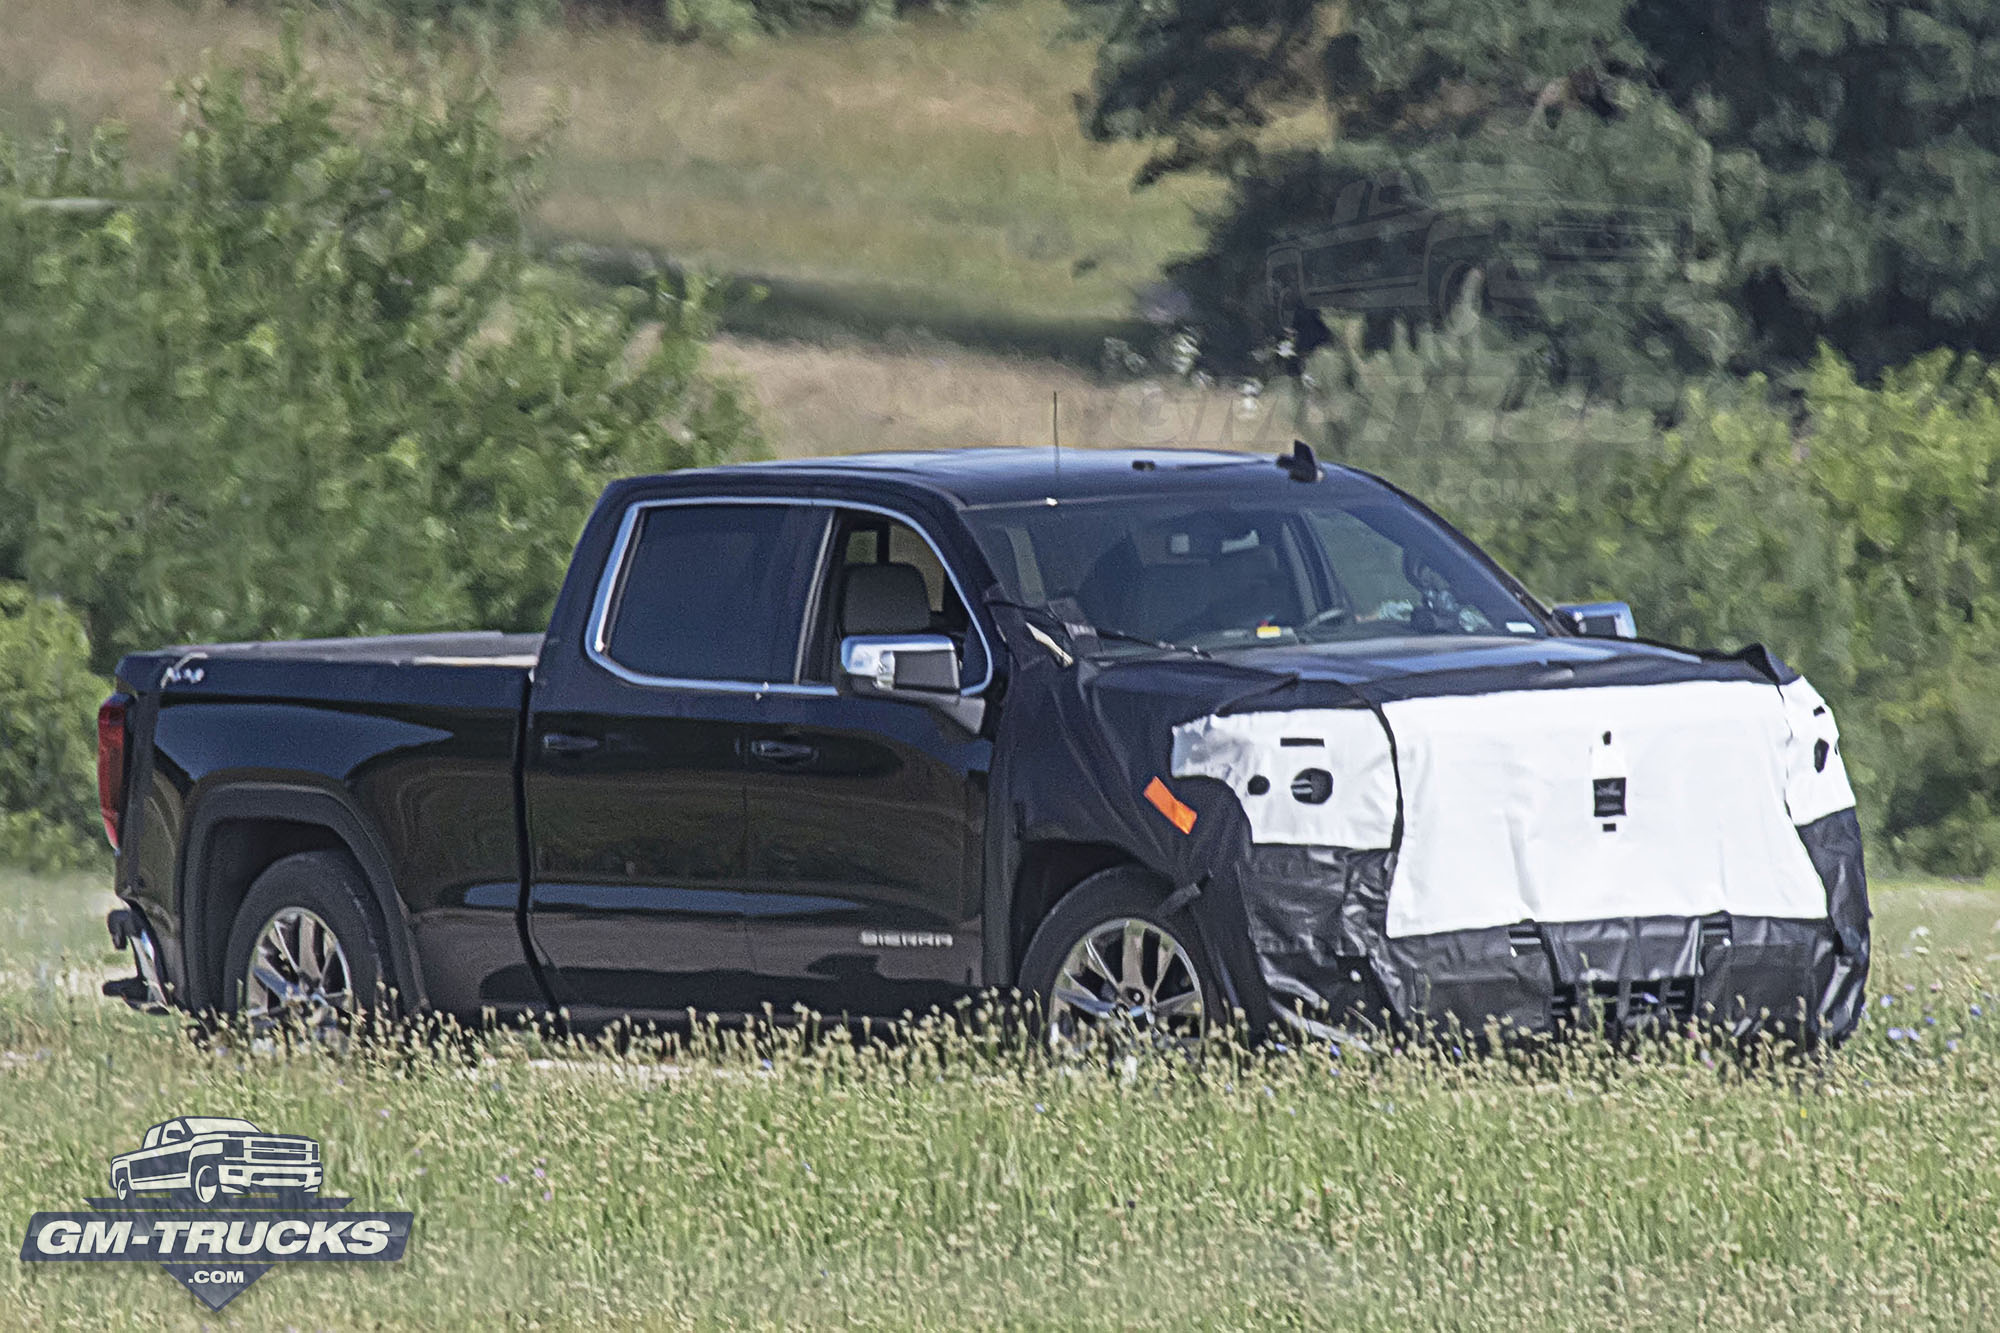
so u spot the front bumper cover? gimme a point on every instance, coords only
(1325, 958)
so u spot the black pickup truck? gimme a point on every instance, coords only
(1153, 737)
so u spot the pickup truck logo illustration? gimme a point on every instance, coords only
(217, 1203)
(210, 1156)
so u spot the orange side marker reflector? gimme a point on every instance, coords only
(1178, 812)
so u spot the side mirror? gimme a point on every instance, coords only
(918, 668)
(1599, 620)
(892, 663)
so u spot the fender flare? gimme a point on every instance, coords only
(299, 804)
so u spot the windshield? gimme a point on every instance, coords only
(1328, 566)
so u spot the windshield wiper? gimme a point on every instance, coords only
(1078, 628)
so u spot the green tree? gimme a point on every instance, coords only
(310, 382)
(1855, 531)
(48, 695)
(1836, 162)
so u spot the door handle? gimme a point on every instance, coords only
(783, 752)
(563, 742)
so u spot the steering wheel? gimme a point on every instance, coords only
(1333, 615)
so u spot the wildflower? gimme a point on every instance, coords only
(1888, 1000)
(1977, 1012)
(504, 1178)
(547, 1195)
(1041, 1109)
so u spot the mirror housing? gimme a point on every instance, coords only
(1599, 620)
(915, 668)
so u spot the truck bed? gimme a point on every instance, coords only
(457, 648)
(407, 743)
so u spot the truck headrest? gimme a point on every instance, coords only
(884, 599)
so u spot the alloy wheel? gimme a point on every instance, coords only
(298, 976)
(1127, 978)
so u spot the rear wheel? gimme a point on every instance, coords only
(1107, 967)
(306, 952)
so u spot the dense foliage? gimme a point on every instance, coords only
(48, 694)
(310, 383)
(1854, 529)
(1833, 166)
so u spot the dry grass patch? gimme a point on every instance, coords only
(937, 159)
(816, 400)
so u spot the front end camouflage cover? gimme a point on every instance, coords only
(1588, 831)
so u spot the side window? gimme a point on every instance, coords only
(865, 539)
(712, 592)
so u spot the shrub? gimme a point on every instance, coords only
(1854, 530)
(48, 697)
(313, 384)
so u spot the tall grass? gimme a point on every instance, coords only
(930, 1184)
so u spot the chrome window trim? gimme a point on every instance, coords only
(597, 631)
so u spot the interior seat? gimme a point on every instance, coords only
(884, 599)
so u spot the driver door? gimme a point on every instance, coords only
(867, 816)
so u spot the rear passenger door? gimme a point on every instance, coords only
(635, 755)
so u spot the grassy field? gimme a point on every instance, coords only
(904, 1190)
(929, 172)
(844, 398)
(920, 245)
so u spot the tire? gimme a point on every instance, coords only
(121, 1183)
(1088, 912)
(1449, 290)
(311, 892)
(207, 1185)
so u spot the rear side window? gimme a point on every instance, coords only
(712, 592)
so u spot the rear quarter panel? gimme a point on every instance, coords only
(422, 756)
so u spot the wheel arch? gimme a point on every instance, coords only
(1053, 869)
(239, 831)
(1049, 871)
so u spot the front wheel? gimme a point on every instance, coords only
(1107, 967)
(207, 1184)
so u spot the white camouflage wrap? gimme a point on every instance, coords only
(1512, 806)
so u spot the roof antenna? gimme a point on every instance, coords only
(1301, 464)
(1055, 439)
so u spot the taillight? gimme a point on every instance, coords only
(111, 764)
